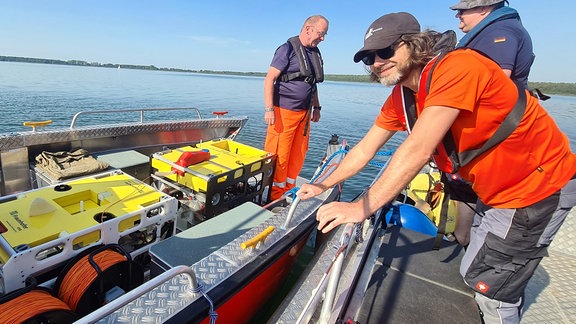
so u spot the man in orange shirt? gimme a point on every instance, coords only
(526, 183)
(291, 100)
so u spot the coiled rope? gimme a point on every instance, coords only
(29, 305)
(79, 278)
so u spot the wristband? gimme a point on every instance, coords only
(267, 109)
(317, 107)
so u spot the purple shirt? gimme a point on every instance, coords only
(295, 94)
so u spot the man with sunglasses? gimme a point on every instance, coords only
(526, 184)
(496, 30)
(291, 101)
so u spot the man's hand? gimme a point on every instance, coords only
(269, 117)
(315, 115)
(335, 213)
(310, 190)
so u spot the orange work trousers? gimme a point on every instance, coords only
(288, 139)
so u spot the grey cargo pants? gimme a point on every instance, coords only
(506, 246)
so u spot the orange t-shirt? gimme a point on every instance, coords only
(534, 162)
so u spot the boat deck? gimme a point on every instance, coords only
(411, 283)
(405, 281)
(420, 280)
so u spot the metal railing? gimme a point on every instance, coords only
(141, 111)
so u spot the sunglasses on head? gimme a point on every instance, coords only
(384, 54)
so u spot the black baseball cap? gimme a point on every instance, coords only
(386, 30)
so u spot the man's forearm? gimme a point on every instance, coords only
(404, 165)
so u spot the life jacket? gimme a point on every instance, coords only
(311, 74)
(446, 156)
(501, 13)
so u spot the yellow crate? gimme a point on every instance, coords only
(43, 215)
(225, 156)
(42, 229)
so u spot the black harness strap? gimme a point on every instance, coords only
(506, 128)
(409, 107)
(309, 111)
(443, 214)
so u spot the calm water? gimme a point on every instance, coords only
(33, 92)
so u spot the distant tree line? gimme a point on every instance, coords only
(550, 88)
(76, 62)
(568, 89)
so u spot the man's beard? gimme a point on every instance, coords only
(397, 77)
(391, 80)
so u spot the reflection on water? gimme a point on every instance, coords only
(33, 92)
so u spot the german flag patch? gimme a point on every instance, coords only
(499, 39)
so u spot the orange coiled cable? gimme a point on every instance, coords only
(82, 274)
(30, 304)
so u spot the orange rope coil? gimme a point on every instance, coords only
(82, 274)
(30, 304)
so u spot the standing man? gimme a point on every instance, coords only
(497, 31)
(291, 101)
(526, 183)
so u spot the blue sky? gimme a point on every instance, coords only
(242, 35)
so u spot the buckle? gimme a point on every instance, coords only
(310, 80)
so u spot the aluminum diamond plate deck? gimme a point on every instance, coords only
(162, 302)
(158, 304)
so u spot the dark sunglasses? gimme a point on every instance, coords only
(384, 54)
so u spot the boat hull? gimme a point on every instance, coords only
(248, 302)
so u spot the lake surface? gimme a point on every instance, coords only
(34, 92)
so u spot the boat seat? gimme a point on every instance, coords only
(197, 242)
(130, 162)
